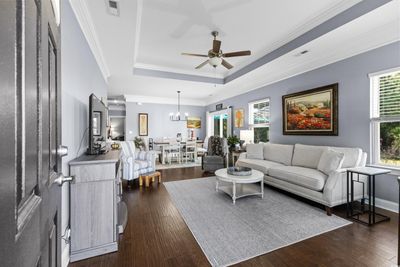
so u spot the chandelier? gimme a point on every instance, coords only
(177, 116)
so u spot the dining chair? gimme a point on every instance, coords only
(173, 151)
(190, 150)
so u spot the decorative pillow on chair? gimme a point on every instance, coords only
(330, 161)
(255, 151)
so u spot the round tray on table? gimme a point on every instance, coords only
(239, 171)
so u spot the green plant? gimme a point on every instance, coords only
(139, 143)
(233, 140)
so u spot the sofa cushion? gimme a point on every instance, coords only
(257, 164)
(330, 161)
(306, 177)
(254, 151)
(352, 156)
(307, 156)
(278, 153)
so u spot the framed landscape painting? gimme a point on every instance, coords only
(311, 112)
(193, 123)
(143, 124)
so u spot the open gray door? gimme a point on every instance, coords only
(30, 134)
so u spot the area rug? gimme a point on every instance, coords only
(229, 233)
(177, 165)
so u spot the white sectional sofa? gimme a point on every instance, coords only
(294, 168)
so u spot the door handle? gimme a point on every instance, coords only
(62, 151)
(61, 179)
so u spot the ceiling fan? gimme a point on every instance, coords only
(216, 56)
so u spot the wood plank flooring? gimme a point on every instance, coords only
(156, 235)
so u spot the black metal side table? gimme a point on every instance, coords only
(354, 214)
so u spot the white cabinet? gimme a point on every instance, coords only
(94, 200)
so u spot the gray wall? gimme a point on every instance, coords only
(81, 76)
(159, 123)
(354, 103)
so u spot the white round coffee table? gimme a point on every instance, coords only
(234, 181)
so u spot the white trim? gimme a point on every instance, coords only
(376, 119)
(138, 29)
(384, 72)
(386, 204)
(163, 100)
(65, 256)
(178, 70)
(86, 22)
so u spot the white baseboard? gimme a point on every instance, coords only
(65, 256)
(386, 204)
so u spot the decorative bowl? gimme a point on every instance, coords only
(239, 171)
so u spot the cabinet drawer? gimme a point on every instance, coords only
(93, 172)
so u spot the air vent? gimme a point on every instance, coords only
(113, 7)
(301, 53)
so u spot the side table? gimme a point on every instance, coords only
(355, 215)
(236, 154)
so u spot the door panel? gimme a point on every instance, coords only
(30, 81)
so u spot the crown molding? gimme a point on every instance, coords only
(85, 21)
(138, 28)
(163, 100)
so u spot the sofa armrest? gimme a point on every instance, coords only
(335, 189)
(242, 155)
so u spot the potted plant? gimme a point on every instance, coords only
(233, 142)
(139, 143)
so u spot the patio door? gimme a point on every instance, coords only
(219, 123)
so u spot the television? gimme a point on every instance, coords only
(98, 123)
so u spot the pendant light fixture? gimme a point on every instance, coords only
(177, 116)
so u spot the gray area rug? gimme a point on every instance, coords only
(229, 233)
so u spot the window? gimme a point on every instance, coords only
(385, 118)
(259, 119)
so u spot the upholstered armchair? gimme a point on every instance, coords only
(136, 162)
(216, 155)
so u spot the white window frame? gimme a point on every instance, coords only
(251, 113)
(376, 119)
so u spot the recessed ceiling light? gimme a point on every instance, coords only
(139, 103)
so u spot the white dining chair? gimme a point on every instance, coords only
(190, 151)
(173, 151)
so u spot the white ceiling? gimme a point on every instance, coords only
(151, 34)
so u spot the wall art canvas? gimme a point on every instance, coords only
(239, 118)
(311, 112)
(143, 124)
(194, 122)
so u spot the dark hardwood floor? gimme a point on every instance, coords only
(156, 235)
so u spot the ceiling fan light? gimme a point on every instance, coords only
(215, 61)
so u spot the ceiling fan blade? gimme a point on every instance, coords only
(237, 54)
(216, 46)
(226, 64)
(195, 55)
(202, 64)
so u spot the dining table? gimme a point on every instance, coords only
(164, 143)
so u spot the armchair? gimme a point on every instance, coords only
(135, 162)
(216, 155)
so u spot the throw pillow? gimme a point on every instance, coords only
(330, 161)
(254, 151)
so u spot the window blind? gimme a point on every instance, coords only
(260, 112)
(389, 95)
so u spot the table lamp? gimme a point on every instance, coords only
(247, 136)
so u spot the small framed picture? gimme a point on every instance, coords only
(219, 106)
(143, 124)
